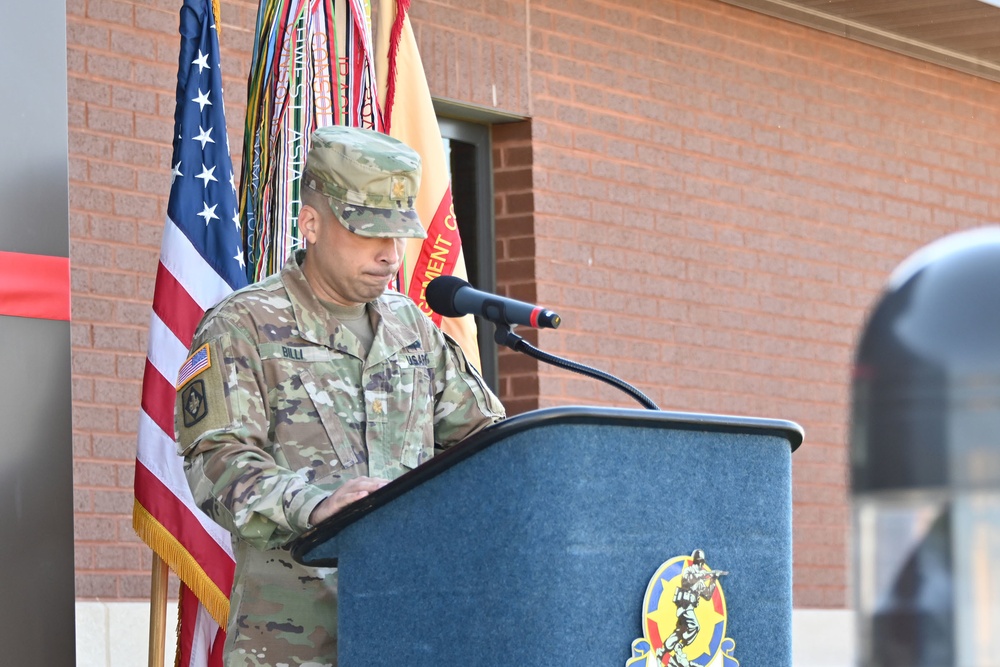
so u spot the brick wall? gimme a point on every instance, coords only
(711, 199)
(515, 255)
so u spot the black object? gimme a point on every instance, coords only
(926, 407)
(453, 297)
(504, 336)
(534, 541)
(925, 456)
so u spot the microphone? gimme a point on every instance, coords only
(453, 297)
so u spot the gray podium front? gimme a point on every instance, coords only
(534, 543)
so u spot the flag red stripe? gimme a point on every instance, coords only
(188, 603)
(177, 518)
(193, 635)
(216, 656)
(34, 286)
(158, 396)
(174, 305)
(438, 254)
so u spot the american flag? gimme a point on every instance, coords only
(195, 364)
(201, 261)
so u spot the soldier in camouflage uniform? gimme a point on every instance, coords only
(313, 388)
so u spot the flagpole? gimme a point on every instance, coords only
(158, 612)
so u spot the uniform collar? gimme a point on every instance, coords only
(317, 326)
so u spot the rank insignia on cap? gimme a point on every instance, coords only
(194, 403)
(684, 617)
(200, 360)
(398, 188)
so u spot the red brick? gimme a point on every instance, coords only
(127, 419)
(83, 197)
(132, 99)
(94, 418)
(156, 128)
(81, 88)
(78, 169)
(112, 175)
(79, 224)
(116, 557)
(134, 586)
(81, 334)
(106, 67)
(89, 363)
(93, 473)
(111, 11)
(115, 392)
(112, 284)
(110, 121)
(135, 206)
(131, 366)
(91, 586)
(74, 10)
(94, 528)
(114, 230)
(157, 20)
(76, 59)
(131, 45)
(81, 445)
(140, 260)
(135, 313)
(116, 338)
(89, 145)
(83, 389)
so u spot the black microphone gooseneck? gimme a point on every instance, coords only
(453, 297)
(504, 336)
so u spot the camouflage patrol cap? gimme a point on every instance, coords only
(369, 178)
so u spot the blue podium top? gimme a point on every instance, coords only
(559, 416)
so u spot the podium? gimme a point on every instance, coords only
(533, 542)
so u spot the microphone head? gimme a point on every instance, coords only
(440, 295)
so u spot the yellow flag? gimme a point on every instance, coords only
(405, 101)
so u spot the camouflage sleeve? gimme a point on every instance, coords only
(463, 402)
(222, 425)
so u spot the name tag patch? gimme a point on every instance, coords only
(310, 353)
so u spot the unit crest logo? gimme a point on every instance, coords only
(684, 613)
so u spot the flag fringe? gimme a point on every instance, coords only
(173, 553)
(217, 13)
(402, 6)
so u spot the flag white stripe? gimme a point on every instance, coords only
(190, 269)
(153, 442)
(166, 352)
(205, 631)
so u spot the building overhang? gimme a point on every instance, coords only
(961, 34)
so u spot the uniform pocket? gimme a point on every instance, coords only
(309, 432)
(418, 433)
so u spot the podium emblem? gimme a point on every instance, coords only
(684, 617)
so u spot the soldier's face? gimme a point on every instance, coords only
(343, 267)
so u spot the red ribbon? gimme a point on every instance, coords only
(34, 286)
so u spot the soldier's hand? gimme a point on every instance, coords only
(351, 491)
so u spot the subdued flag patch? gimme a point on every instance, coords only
(200, 360)
(194, 403)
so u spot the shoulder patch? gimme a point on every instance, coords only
(202, 403)
(194, 403)
(199, 361)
